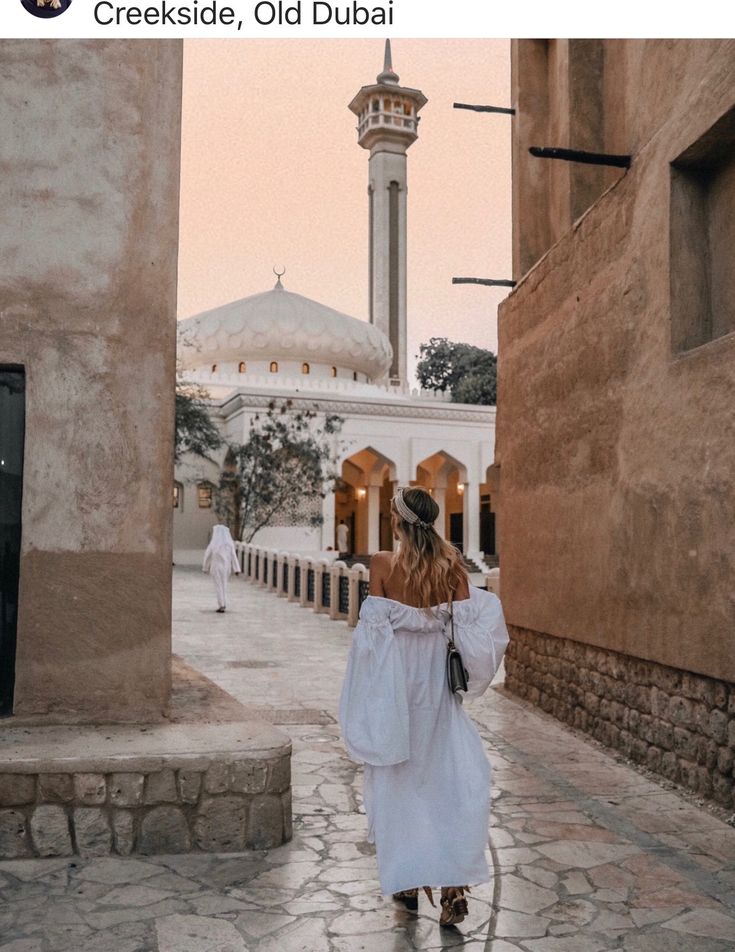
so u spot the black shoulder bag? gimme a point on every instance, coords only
(456, 671)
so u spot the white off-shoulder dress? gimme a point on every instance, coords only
(426, 775)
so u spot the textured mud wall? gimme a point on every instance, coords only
(617, 453)
(89, 150)
(601, 96)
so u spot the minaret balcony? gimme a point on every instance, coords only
(395, 121)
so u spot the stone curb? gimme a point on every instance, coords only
(236, 803)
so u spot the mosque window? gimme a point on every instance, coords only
(242, 367)
(376, 105)
(178, 496)
(407, 108)
(334, 371)
(214, 368)
(305, 368)
(354, 375)
(274, 366)
(204, 494)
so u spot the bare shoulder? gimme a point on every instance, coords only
(380, 567)
(381, 563)
(463, 588)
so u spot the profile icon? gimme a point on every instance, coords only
(46, 9)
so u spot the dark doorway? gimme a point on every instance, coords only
(386, 533)
(487, 527)
(351, 522)
(456, 529)
(12, 433)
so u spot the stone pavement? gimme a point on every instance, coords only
(588, 854)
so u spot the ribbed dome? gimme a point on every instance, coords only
(279, 324)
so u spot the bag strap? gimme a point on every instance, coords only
(451, 618)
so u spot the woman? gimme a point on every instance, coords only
(426, 777)
(219, 560)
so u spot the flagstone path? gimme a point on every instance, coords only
(588, 854)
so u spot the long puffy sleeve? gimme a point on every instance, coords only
(481, 636)
(207, 558)
(235, 561)
(373, 709)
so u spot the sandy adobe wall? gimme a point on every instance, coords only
(89, 148)
(616, 432)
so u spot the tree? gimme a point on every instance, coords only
(469, 373)
(196, 432)
(287, 463)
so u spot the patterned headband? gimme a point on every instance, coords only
(408, 515)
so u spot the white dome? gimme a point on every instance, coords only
(279, 324)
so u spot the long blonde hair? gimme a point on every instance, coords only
(432, 567)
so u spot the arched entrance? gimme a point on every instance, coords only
(445, 478)
(362, 501)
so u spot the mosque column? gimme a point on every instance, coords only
(373, 515)
(328, 521)
(440, 498)
(471, 521)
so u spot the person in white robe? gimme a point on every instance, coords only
(343, 537)
(220, 560)
(426, 774)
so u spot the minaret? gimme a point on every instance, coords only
(387, 125)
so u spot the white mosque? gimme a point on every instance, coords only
(280, 345)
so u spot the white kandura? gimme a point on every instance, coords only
(219, 560)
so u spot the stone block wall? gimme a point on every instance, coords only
(223, 806)
(678, 724)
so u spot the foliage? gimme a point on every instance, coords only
(287, 463)
(478, 387)
(195, 430)
(469, 373)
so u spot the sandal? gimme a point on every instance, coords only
(454, 905)
(409, 898)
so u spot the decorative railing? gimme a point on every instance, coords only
(344, 595)
(363, 590)
(385, 117)
(325, 586)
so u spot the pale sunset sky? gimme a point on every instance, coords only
(272, 175)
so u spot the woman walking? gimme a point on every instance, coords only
(219, 560)
(426, 776)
